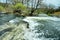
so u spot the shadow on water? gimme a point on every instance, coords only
(5, 30)
(5, 18)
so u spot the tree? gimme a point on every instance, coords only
(35, 6)
(50, 9)
(2, 8)
(19, 8)
(32, 5)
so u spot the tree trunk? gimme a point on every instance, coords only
(33, 9)
(6, 3)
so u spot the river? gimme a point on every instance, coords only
(43, 28)
(39, 28)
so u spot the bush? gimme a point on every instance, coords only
(1, 8)
(19, 6)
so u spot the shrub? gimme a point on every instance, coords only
(19, 6)
(1, 8)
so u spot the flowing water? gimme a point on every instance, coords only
(43, 28)
(40, 28)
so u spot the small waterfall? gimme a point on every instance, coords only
(42, 28)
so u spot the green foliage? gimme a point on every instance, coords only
(1, 8)
(19, 6)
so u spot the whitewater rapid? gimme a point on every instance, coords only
(49, 25)
(39, 28)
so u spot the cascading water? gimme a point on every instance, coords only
(42, 28)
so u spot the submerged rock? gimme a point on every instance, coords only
(17, 21)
